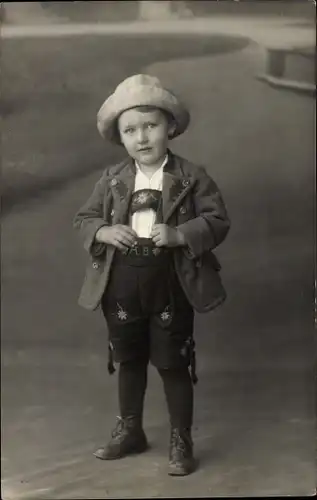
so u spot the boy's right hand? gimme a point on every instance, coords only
(118, 235)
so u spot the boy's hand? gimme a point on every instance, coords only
(165, 236)
(118, 235)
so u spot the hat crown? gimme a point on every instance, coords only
(140, 90)
(139, 81)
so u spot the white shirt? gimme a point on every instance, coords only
(142, 222)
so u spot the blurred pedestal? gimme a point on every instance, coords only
(155, 10)
(28, 13)
(292, 69)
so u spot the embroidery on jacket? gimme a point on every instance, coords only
(122, 189)
(176, 189)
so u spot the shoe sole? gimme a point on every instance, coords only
(175, 471)
(180, 473)
(134, 451)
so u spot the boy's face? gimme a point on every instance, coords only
(145, 134)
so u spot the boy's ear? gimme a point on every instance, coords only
(171, 128)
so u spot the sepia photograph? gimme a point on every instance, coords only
(158, 258)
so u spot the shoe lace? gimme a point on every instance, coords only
(179, 444)
(119, 428)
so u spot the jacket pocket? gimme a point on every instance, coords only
(201, 281)
(208, 260)
(96, 279)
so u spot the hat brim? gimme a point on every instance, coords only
(123, 100)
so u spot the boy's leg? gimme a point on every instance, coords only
(128, 437)
(132, 386)
(171, 350)
(178, 388)
(128, 336)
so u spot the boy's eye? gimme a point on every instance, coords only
(129, 130)
(151, 125)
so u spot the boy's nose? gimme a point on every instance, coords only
(142, 137)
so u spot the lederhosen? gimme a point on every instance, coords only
(144, 305)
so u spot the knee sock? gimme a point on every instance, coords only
(179, 396)
(132, 387)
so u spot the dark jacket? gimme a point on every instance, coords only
(191, 201)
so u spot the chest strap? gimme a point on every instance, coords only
(144, 199)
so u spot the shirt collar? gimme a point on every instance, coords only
(160, 168)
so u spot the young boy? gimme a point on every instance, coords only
(149, 227)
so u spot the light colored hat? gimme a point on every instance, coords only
(140, 90)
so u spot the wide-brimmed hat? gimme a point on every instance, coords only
(140, 90)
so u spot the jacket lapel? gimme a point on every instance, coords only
(175, 187)
(122, 186)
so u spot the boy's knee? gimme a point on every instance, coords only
(135, 362)
(173, 371)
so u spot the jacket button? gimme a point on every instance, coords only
(112, 213)
(95, 265)
(114, 182)
(185, 183)
(182, 210)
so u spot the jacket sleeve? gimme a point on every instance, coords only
(211, 224)
(89, 219)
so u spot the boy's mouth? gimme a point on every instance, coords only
(144, 150)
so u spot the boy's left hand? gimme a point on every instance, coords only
(165, 236)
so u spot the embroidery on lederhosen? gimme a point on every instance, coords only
(143, 199)
(120, 313)
(165, 317)
(156, 251)
(166, 314)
